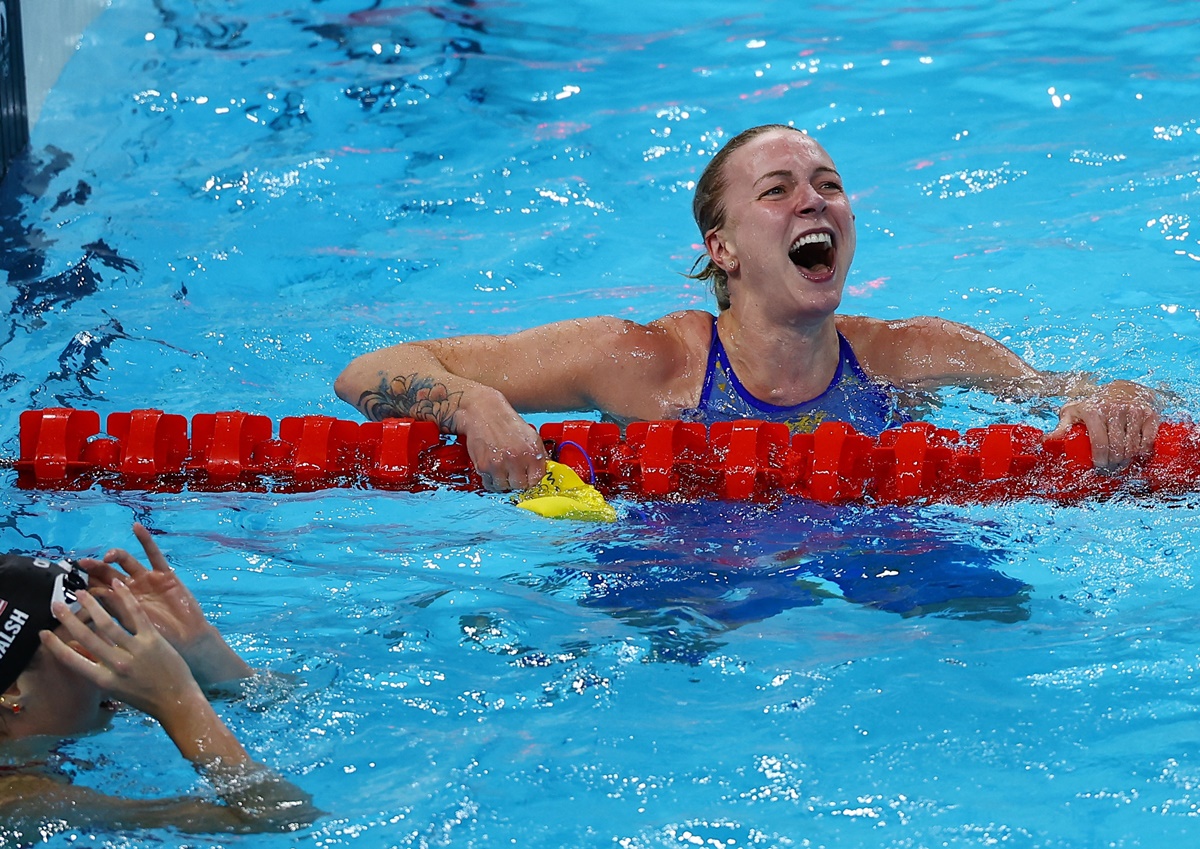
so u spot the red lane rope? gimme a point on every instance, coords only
(152, 450)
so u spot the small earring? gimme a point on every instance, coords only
(11, 707)
(732, 264)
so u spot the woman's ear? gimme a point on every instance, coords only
(10, 701)
(723, 252)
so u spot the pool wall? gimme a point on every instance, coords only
(35, 44)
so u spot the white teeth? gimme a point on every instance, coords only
(813, 239)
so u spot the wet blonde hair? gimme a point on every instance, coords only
(708, 207)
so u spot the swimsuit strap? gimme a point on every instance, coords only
(714, 349)
(851, 395)
(718, 361)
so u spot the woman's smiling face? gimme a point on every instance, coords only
(788, 230)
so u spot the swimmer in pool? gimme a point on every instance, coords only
(72, 637)
(779, 237)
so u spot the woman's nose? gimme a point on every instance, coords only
(810, 201)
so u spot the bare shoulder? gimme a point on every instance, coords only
(690, 330)
(928, 348)
(659, 345)
(658, 368)
(864, 330)
(627, 369)
(879, 344)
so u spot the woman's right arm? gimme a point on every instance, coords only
(474, 386)
(413, 381)
(128, 658)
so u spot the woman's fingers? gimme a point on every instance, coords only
(106, 635)
(100, 574)
(1120, 430)
(1126, 434)
(1130, 430)
(122, 606)
(70, 657)
(104, 625)
(1149, 433)
(133, 566)
(153, 554)
(1112, 423)
(94, 648)
(518, 478)
(516, 464)
(126, 561)
(131, 619)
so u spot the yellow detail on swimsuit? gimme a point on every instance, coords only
(562, 494)
(851, 397)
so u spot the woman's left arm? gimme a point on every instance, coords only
(170, 605)
(128, 658)
(1121, 417)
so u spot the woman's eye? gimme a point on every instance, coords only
(774, 190)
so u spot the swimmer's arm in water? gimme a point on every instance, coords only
(476, 386)
(170, 605)
(28, 802)
(128, 658)
(1121, 417)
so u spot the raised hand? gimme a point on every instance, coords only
(120, 651)
(170, 606)
(126, 657)
(129, 659)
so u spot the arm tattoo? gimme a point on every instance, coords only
(412, 397)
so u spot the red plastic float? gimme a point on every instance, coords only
(151, 450)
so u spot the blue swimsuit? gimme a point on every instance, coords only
(851, 397)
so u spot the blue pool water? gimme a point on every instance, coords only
(227, 200)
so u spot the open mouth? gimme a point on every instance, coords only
(813, 254)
